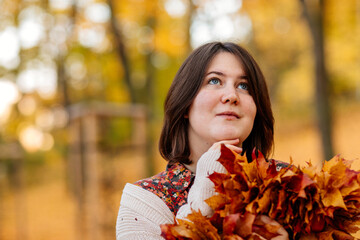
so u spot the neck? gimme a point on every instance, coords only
(197, 149)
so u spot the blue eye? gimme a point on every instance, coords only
(214, 81)
(243, 86)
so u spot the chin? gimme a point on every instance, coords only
(227, 137)
(228, 133)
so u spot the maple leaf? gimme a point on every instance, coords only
(232, 237)
(227, 158)
(314, 202)
(262, 164)
(234, 222)
(266, 227)
(198, 227)
(181, 231)
(217, 201)
(334, 234)
(333, 198)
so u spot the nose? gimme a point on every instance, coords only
(230, 96)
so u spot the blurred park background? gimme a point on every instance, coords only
(82, 86)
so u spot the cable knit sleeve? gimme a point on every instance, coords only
(202, 188)
(140, 215)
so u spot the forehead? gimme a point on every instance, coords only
(225, 61)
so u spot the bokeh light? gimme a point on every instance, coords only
(9, 48)
(33, 139)
(176, 8)
(60, 4)
(219, 21)
(97, 12)
(38, 76)
(31, 28)
(27, 105)
(9, 95)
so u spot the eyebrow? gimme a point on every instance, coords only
(222, 74)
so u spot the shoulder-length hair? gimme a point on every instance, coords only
(174, 143)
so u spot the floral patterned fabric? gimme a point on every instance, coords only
(171, 185)
(279, 164)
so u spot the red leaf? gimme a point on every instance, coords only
(318, 223)
(227, 158)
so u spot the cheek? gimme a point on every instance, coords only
(195, 109)
(251, 108)
(203, 98)
(254, 110)
(203, 102)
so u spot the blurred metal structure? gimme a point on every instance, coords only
(14, 155)
(84, 157)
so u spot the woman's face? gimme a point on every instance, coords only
(223, 109)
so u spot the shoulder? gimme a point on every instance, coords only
(170, 186)
(140, 214)
(157, 184)
(175, 176)
(143, 202)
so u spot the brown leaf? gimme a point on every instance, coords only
(266, 227)
(335, 234)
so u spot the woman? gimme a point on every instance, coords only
(218, 96)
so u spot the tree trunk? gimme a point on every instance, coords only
(190, 14)
(121, 52)
(151, 119)
(314, 16)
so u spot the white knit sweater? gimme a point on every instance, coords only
(141, 212)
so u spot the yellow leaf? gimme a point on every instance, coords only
(333, 199)
(348, 189)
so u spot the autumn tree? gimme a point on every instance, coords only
(314, 14)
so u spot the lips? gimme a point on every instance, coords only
(229, 114)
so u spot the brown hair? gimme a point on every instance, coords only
(174, 144)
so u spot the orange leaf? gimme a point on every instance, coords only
(178, 232)
(245, 224)
(262, 165)
(310, 203)
(203, 226)
(217, 201)
(264, 201)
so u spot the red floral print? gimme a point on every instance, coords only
(171, 185)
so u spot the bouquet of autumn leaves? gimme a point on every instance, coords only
(309, 203)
